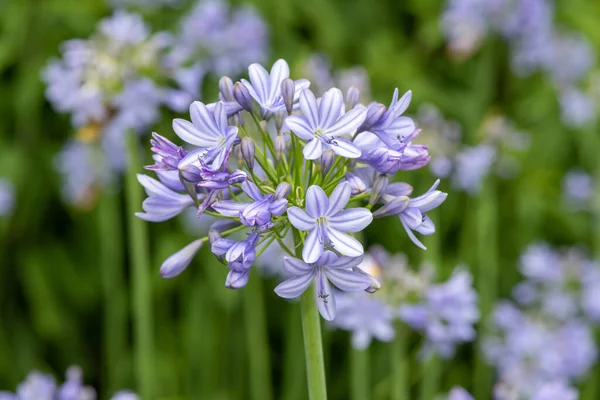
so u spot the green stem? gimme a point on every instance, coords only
(430, 382)
(486, 280)
(360, 374)
(399, 363)
(311, 332)
(140, 264)
(257, 340)
(111, 266)
(293, 373)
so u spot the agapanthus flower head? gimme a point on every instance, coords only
(298, 179)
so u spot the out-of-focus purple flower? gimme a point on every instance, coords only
(555, 391)
(328, 222)
(83, 171)
(224, 39)
(240, 257)
(327, 268)
(265, 88)
(73, 388)
(540, 263)
(256, 214)
(323, 124)
(458, 393)
(7, 197)
(447, 315)
(125, 395)
(578, 188)
(577, 108)
(37, 386)
(472, 166)
(366, 316)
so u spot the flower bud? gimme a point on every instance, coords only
(279, 120)
(176, 263)
(379, 187)
(238, 155)
(283, 190)
(213, 236)
(392, 207)
(242, 96)
(327, 159)
(356, 184)
(236, 119)
(191, 173)
(287, 92)
(352, 96)
(248, 151)
(374, 113)
(280, 147)
(226, 88)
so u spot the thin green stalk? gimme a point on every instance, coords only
(311, 332)
(360, 381)
(259, 356)
(139, 254)
(293, 386)
(486, 280)
(399, 361)
(432, 368)
(110, 259)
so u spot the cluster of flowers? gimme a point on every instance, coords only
(40, 386)
(444, 312)
(498, 152)
(7, 197)
(543, 341)
(310, 158)
(117, 81)
(536, 45)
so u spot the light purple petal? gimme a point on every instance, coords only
(328, 257)
(308, 105)
(229, 208)
(399, 189)
(345, 148)
(299, 86)
(204, 120)
(345, 262)
(402, 104)
(221, 246)
(252, 190)
(154, 187)
(295, 266)
(237, 279)
(188, 133)
(349, 122)
(260, 81)
(279, 72)
(351, 220)
(295, 286)
(300, 219)
(325, 298)
(313, 247)
(220, 117)
(278, 207)
(427, 227)
(348, 281)
(331, 107)
(313, 149)
(300, 126)
(344, 243)
(412, 217)
(412, 236)
(339, 198)
(175, 264)
(317, 202)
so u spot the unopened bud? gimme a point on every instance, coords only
(239, 157)
(327, 159)
(283, 190)
(248, 151)
(226, 88)
(356, 184)
(374, 113)
(379, 187)
(190, 173)
(287, 92)
(279, 120)
(392, 207)
(236, 119)
(352, 96)
(280, 147)
(242, 96)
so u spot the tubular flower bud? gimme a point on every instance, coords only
(287, 92)
(248, 151)
(242, 96)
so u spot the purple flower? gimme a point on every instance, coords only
(577, 108)
(327, 222)
(265, 88)
(390, 127)
(209, 131)
(162, 202)
(327, 268)
(414, 217)
(472, 165)
(458, 393)
(446, 315)
(240, 257)
(256, 214)
(167, 154)
(178, 262)
(366, 316)
(73, 388)
(555, 391)
(37, 386)
(322, 124)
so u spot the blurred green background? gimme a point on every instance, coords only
(51, 292)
